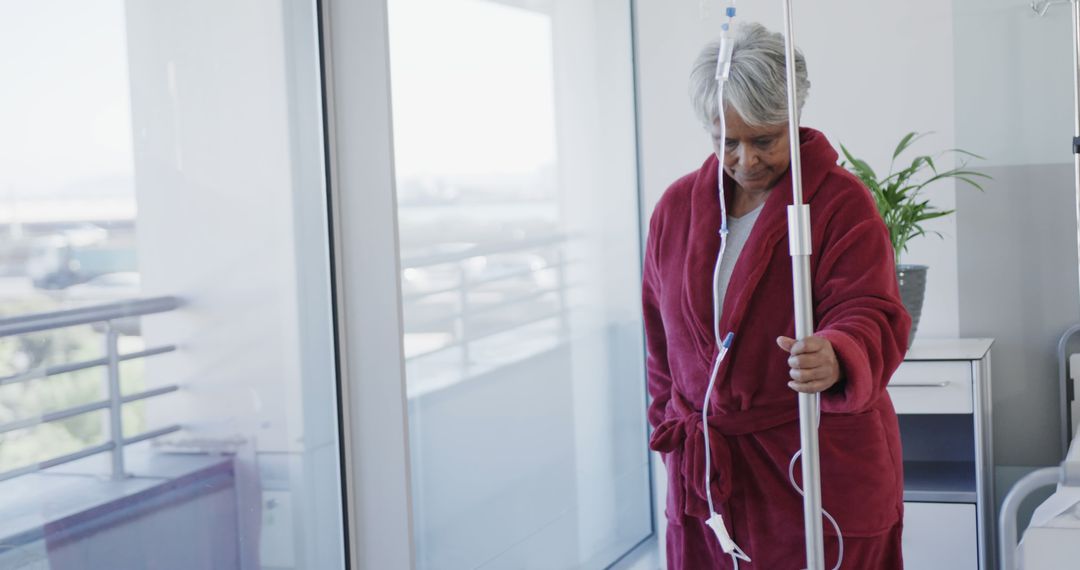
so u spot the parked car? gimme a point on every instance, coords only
(63, 260)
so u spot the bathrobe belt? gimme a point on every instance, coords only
(680, 434)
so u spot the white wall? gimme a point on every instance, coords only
(1014, 82)
(877, 71)
(1018, 256)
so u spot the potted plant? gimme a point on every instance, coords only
(901, 205)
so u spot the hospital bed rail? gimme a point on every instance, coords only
(1066, 474)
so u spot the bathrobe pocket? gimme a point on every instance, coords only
(860, 482)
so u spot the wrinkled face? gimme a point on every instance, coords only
(755, 157)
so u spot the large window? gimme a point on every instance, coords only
(167, 378)
(171, 390)
(518, 217)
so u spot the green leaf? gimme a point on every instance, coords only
(898, 195)
(904, 143)
(971, 182)
(963, 152)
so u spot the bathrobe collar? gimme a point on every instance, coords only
(703, 243)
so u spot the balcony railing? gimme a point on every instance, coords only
(108, 315)
(478, 292)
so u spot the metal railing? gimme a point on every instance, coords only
(108, 314)
(462, 323)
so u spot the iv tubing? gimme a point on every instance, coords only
(716, 521)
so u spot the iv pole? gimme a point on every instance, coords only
(1067, 394)
(800, 249)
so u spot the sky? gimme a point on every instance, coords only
(472, 80)
(64, 105)
(473, 88)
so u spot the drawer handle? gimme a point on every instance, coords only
(920, 384)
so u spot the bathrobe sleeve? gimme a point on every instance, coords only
(857, 302)
(656, 364)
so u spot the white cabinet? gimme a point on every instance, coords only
(942, 397)
(932, 388)
(940, 536)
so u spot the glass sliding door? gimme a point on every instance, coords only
(517, 209)
(168, 385)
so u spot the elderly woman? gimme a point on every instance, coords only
(861, 337)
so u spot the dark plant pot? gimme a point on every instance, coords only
(912, 280)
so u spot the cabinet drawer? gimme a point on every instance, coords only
(939, 387)
(939, 536)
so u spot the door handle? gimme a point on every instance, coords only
(920, 384)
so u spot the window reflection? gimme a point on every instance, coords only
(517, 207)
(167, 382)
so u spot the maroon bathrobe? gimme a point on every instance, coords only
(753, 416)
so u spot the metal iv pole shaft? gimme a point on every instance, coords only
(800, 248)
(1076, 114)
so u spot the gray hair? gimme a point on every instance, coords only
(757, 85)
